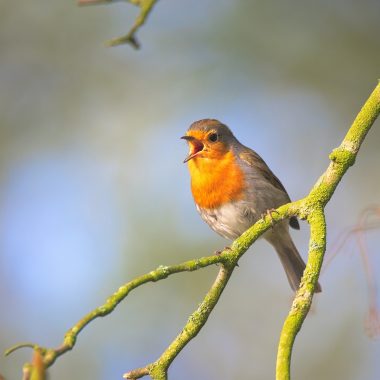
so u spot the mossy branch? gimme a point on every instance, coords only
(310, 208)
(228, 260)
(145, 6)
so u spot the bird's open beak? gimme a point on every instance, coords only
(195, 146)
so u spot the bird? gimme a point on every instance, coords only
(233, 187)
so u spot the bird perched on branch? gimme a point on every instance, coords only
(233, 187)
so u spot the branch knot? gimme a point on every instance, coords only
(342, 156)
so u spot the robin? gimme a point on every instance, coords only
(233, 187)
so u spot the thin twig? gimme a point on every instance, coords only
(145, 6)
(358, 233)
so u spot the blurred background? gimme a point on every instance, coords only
(93, 191)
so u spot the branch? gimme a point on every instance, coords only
(145, 6)
(158, 370)
(162, 272)
(312, 207)
(228, 259)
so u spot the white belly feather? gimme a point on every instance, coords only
(229, 220)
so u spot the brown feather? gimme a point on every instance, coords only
(254, 160)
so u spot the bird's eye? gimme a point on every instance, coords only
(213, 137)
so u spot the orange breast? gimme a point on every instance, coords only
(216, 181)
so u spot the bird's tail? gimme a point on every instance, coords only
(290, 258)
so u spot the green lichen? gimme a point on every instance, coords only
(310, 208)
(343, 157)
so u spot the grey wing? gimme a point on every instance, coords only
(251, 158)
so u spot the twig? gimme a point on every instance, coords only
(372, 323)
(357, 232)
(145, 6)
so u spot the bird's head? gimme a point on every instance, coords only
(208, 139)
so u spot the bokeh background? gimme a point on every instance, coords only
(93, 190)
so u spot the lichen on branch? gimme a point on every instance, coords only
(341, 159)
(310, 208)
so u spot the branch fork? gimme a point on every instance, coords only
(310, 208)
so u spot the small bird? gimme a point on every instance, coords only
(233, 187)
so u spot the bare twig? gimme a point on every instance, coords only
(145, 6)
(368, 221)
